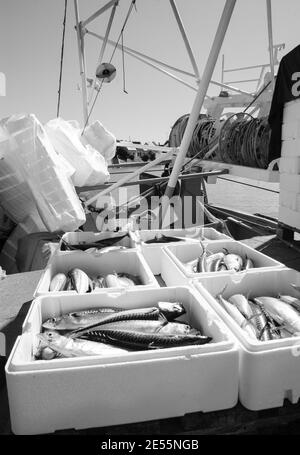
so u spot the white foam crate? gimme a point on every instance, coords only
(289, 217)
(290, 200)
(269, 370)
(291, 110)
(289, 165)
(46, 396)
(122, 261)
(291, 129)
(153, 252)
(174, 271)
(82, 238)
(290, 182)
(290, 148)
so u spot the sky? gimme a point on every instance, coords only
(30, 47)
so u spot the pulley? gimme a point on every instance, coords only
(106, 72)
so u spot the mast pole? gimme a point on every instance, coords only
(185, 39)
(203, 86)
(80, 43)
(270, 35)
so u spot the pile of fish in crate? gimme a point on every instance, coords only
(104, 344)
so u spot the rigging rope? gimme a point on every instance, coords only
(61, 58)
(113, 53)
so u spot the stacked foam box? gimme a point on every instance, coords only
(289, 199)
(36, 177)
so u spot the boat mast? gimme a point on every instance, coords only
(80, 42)
(203, 86)
(270, 35)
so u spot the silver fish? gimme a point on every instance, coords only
(242, 304)
(293, 301)
(281, 310)
(248, 264)
(261, 323)
(233, 262)
(80, 280)
(148, 340)
(68, 347)
(77, 319)
(238, 317)
(58, 282)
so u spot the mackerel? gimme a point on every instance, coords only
(238, 317)
(281, 310)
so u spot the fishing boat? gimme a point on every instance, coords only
(202, 150)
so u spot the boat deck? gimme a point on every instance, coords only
(15, 298)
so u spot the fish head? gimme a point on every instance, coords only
(48, 337)
(171, 309)
(51, 323)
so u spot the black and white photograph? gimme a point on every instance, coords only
(149, 223)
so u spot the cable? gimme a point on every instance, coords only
(113, 53)
(248, 184)
(61, 58)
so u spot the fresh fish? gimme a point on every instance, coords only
(293, 301)
(161, 238)
(93, 317)
(171, 310)
(238, 317)
(248, 264)
(212, 260)
(130, 317)
(217, 264)
(77, 319)
(145, 326)
(233, 262)
(242, 304)
(142, 340)
(107, 249)
(201, 264)
(121, 280)
(80, 280)
(67, 347)
(280, 310)
(58, 282)
(191, 266)
(261, 322)
(297, 288)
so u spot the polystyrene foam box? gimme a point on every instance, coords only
(290, 200)
(174, 270)
(290, 165)
(152, 252)
(82, 238)
(45, 396)
(289, 217)
(291, 110)
(290, 182)
(290, 148)
(291, 129)
(94, 264)
(269, 370)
